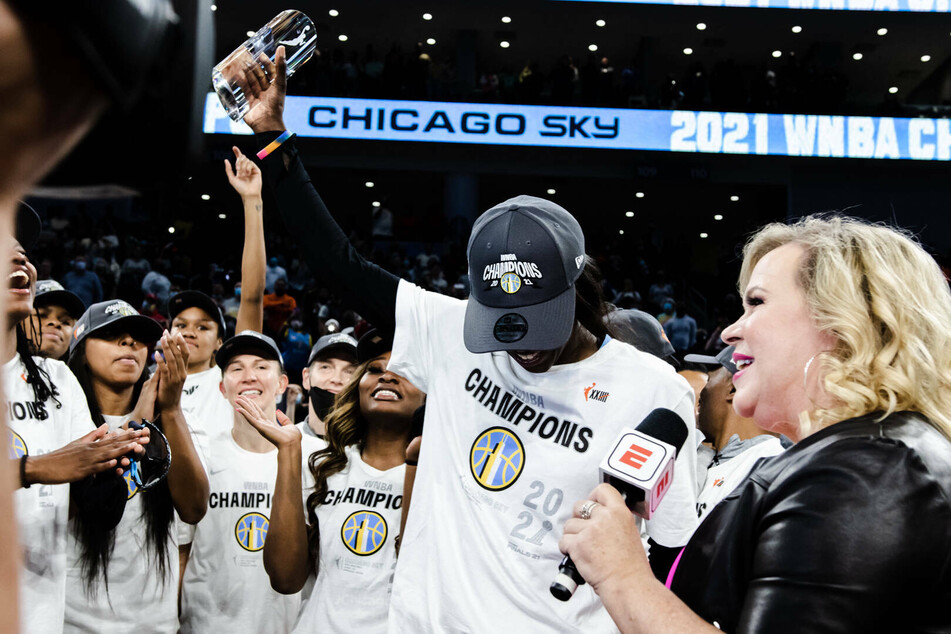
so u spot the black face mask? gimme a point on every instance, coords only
(322, 400)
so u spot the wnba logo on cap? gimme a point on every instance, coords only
(251, 531)
(17, 446)
(364, 532)
(510, 283)
(496, 458)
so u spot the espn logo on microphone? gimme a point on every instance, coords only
(643, 462)
(637, 456)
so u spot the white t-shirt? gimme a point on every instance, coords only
(137, 597)
(720, 479)
(225, 588)
(37, 428)
(206, 410)
(506, 453)
(358, 523)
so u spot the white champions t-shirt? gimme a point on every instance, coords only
(137, 596)
(505, 455)
(37, 428)
(225, 588)
(358, 524)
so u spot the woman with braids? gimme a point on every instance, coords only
(353, 514)
(526, 393)
(128, 576)
(52, 440)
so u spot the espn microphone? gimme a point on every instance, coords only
(640, 466)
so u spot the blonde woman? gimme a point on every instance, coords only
(845, 347)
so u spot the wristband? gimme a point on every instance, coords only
(23, 481)
(273, 145)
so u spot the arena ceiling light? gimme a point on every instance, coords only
(704, 235)
(882, 31)
(701, 26)
(551, 192)
(375, 203)
(369, 184)
(621, 232)
(427, 16)
(430, 41)
(504, 44)
(926, 58)
(205, 197)
(600, 23)
(734, 198)
(777, 53)
(893, 90)
(342, 37)
(333, 13)
(222, 216)
(506, 19)
(250, 33)
(718, 217)
(797, 29)
(639, 195)
(172, 229)
(688, 51)
(592, 47)
(857, 56)
(629, 214)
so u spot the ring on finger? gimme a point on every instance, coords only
(586, 508)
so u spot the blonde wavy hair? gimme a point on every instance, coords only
(887, 304)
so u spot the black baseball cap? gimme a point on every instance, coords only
(724, 358)
(373, 344)
(52, 293)
(525, 256)
(115, 315)
(641, 330)
(339, 343)
(248, 342)
(28, 226)
(196, 299)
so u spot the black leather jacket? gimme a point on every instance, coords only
(848, 531)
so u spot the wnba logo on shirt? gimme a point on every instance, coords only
(131, 487)
(251, 530)
(17, 446)
(363, 532)
(595, 395)
(496, 458)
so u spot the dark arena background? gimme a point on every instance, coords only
(670, 130)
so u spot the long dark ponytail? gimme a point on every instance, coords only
(97, 541)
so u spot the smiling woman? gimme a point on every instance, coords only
(353, 513)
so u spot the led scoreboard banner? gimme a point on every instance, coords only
(608, 128)
(927, 6)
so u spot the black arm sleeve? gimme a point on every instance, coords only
(661, 559)
(366, 287)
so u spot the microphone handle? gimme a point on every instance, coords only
(567, 580)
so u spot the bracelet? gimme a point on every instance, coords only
(273, 145)
(23, 481)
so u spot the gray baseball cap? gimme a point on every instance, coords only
(337, 342)
(248, 342)
(52, 293)
(724, 358)
(525, 256)
(115, 315)
(641, 330)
